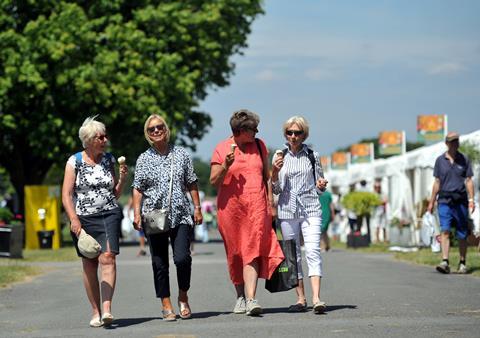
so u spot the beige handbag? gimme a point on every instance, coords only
(156, 221)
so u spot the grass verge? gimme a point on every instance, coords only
(17, 270)
(424, 256)
(13, 272)
(427, 257)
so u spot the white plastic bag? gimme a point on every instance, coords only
(427, 231)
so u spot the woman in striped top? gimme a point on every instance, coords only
(298, 184)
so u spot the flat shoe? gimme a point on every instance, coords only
(107, 318)
(319, 307)
(96, 322)
(169, 315)
(298, 307)
(184, 308)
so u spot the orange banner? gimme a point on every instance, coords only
(361, 153)
(431, 128)
(339, 160)
(391, 142)
(325, 162)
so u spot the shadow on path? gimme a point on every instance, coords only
(124, 322)
(331, 308)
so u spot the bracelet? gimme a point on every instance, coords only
(470, 199)
(197, 207)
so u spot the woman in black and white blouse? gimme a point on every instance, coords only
(150, 191)
(297, 177)
(89, 195)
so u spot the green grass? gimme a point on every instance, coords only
(423, 256)
(13, 272)
(46, 255)
(375, 247)
(16, 270)
(427, 257)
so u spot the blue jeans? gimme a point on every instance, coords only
(455, 215)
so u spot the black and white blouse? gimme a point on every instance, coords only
(93, 191)
(152, 179)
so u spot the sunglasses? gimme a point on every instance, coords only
(160, 127)
(101, 137)
(294, 132)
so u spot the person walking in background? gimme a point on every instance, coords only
(380, 214)
(297, 177)
(328, 214)
(453, 186)
(89, 195)
(239, 170)
(150, 192)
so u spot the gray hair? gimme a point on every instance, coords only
(244, 119)
(147, 122)
(299, 121)
(89, 129)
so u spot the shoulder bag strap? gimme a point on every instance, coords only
(171, 179)
(257, 141)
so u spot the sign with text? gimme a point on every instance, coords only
(340, 160)
(361, 153)
(391, 142)
(431, 128)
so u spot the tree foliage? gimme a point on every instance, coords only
(61, 61)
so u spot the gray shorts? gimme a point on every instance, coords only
(103, 226)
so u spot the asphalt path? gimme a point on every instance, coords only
(368, 295)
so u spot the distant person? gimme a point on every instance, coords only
(453, 186)
(150, 192)
(89, 195)
(328, 214)
(239, 170)
(380, 214)
(297, 177)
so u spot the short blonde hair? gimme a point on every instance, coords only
(89, 129)
(147, 122)
(299, 121)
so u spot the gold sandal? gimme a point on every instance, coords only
(169, 315)
(184, 308)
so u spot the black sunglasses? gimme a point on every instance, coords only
(101, 137)
(160, 127)
(294, 132)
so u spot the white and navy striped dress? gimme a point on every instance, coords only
(298, 194)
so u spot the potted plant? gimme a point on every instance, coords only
(6, 216)
(362, 204)
(11, 233)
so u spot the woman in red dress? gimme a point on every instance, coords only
(239, 170)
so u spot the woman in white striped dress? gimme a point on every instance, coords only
(297, 177)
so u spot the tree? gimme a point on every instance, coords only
(61, 61)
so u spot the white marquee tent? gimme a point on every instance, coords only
(407, 179)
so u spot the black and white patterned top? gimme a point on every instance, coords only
(93, 191)
(152, 179)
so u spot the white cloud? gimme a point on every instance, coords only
(266, 75)
(446, 68)
(317, 74)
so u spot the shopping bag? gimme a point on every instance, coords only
(285, 276)
(427, 230)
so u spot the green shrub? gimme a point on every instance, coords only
(6, 215)
(361, 202)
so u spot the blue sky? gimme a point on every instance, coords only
(353, 69)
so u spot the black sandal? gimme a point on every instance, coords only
(298, 307)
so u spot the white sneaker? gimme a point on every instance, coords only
(253, 309)
(240, 305)
(462, 269)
